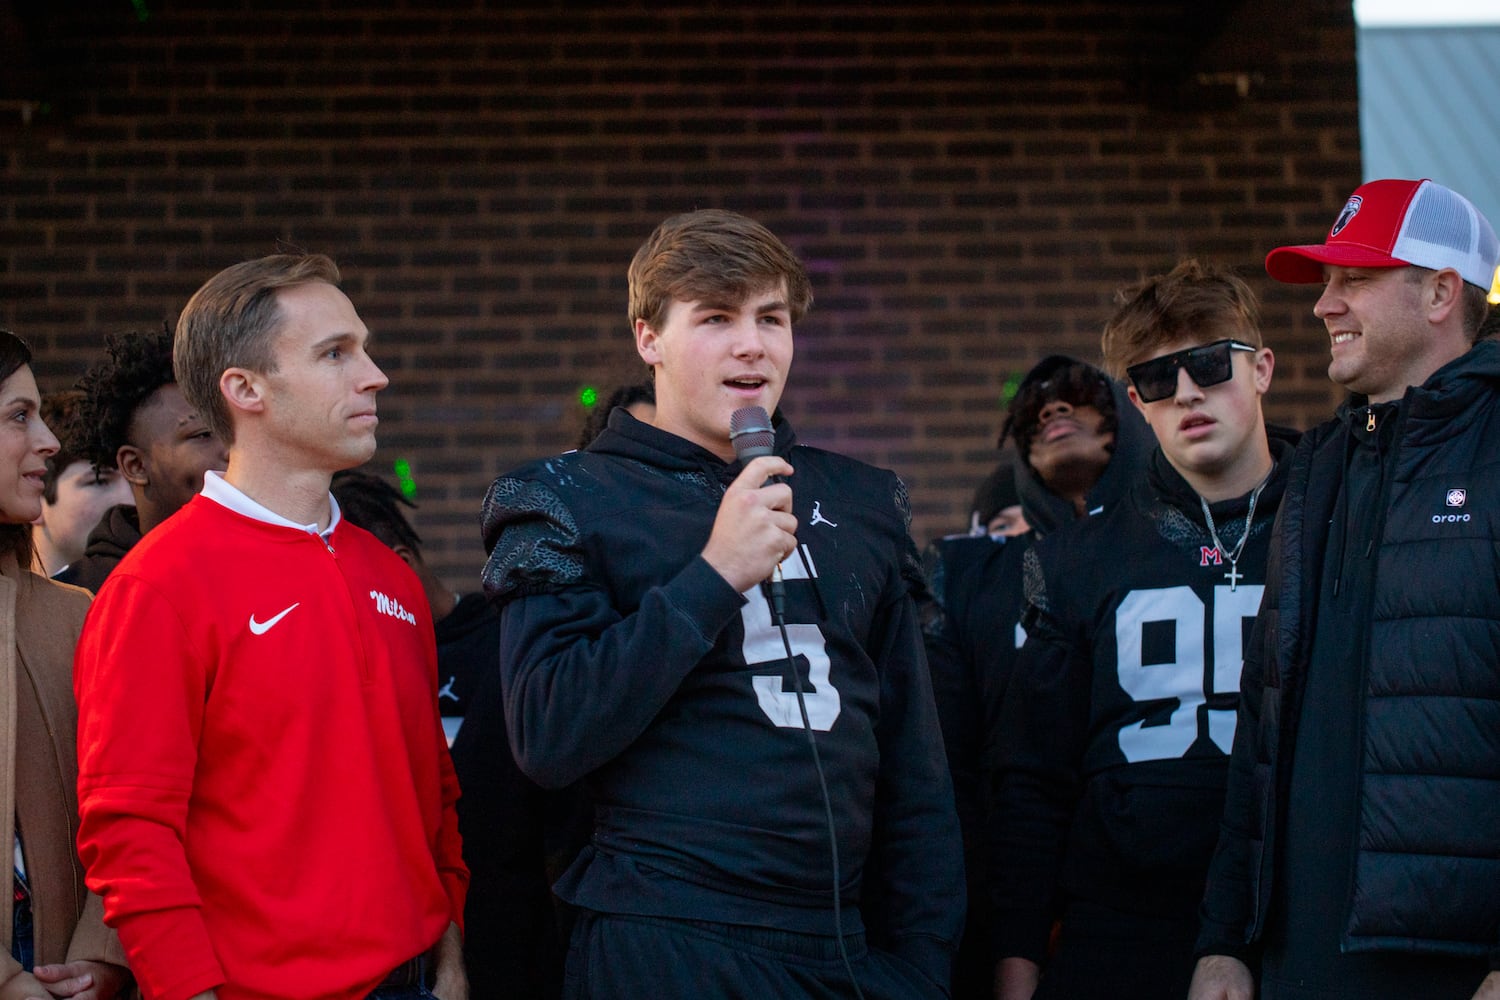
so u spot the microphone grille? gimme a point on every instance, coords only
(751, 434)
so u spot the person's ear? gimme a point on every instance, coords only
(1265, 364)
(1444, 292)
(243, 389)
(133, 465)
(647, 343)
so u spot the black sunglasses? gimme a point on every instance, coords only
(1207, 365)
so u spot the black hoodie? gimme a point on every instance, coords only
(628, 661)
(1116, 731)
(972, 647)
(1045, 510)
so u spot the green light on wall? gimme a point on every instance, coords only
(141, 13)
(589, 397)
(404, 479)
(1010, 388)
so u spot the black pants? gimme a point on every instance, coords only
(615, 956)
(1111, 954)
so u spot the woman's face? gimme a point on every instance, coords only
(25, 443)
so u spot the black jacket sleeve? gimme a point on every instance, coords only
(575, 696)
(960, 703)
(1039, 749)
(916, 833)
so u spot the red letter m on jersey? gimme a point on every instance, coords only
(1209, 555)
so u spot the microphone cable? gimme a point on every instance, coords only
(776, 598)
(753, 436)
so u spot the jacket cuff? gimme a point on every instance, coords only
(1022, 934)
(456, 888)
(705, 598)
(1212, 943)
(930, 956)
(170, 953)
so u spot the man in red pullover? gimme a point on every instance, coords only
(266, 796)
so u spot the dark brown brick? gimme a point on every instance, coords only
(968, 182)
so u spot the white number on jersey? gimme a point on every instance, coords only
(1184, 678)
(763, 647)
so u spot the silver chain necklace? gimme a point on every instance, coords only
(1234, 576)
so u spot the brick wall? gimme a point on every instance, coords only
(969, 183)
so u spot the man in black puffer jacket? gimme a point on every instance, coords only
(1360, 849)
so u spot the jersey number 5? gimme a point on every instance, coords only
(763, 647)
(1185, 677)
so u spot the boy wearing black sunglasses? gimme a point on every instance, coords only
(1115, 734)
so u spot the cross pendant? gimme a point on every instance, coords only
(1234, 576)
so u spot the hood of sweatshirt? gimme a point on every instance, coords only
(1045, 510)
(626, 437)
(115, 534)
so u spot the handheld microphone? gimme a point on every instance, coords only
(751, 434)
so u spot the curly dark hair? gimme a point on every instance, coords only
(369, 502)
(625, 395)
(137, 364)
(60, 413)
(1057, 377)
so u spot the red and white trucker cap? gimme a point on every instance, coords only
(1394, 223)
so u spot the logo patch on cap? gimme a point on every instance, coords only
(1351, 209)
(1456, 498)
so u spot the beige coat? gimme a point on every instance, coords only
(39, 625)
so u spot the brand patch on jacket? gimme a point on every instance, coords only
(1455, 499)
(390, 606)
(1209, 555)
(817, 516)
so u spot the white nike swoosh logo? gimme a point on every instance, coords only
(261, 628)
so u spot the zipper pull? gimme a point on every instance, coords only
(1370, 424)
